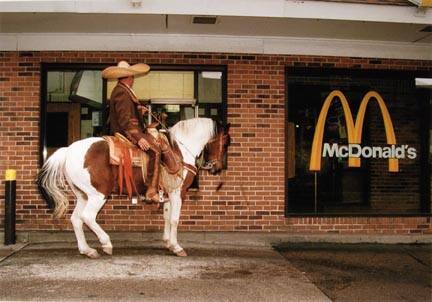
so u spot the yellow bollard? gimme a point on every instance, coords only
(10, 206)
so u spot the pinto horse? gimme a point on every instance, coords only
(85, 167)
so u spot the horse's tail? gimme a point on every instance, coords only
(52, 182)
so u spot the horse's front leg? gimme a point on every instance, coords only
(167, 224)
(176, 203)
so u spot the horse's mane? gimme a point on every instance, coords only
(195, 131)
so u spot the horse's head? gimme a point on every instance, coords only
(216, 148)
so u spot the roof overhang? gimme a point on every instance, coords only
(248, 8)
(243, 26)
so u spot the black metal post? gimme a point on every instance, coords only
(10, 202)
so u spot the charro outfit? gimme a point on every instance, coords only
(126, 119)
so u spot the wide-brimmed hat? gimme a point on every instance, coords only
(123, 69)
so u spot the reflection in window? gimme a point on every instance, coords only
(161, 85)
(169, 115)
(210, 95)
(73, 107)
(172, 94)
(57, 129)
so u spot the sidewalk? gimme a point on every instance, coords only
(56, 271)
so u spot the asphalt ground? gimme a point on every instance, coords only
(365, 272)
(56, 272)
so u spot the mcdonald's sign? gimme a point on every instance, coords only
(354, 151)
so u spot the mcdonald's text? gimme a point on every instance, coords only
(356, 151)
(354, 134)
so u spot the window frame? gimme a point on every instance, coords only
(49, 67)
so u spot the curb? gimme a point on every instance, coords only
(227, 238)
(8, 250)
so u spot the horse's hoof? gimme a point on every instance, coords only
(167, 245)
(107, 250)
(181, 253)
(92, 254)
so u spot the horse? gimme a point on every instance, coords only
(85, 167)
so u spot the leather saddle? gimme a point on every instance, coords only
(126, 156)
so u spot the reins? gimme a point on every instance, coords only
(166, 129)
(198, 165)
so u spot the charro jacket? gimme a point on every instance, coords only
(124, 115)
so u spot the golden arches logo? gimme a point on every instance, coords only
(354, 130)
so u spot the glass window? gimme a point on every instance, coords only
(428, 168)
(210, 98)
(75, 100)
(174, 95)
(161, 84)
(73, 107)
(170, 114)
(338, 186)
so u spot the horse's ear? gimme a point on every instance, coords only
(219, 126)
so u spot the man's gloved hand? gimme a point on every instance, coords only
(143, 144)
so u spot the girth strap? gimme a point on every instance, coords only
(188, 180)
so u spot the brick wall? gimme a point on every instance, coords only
(252, 198)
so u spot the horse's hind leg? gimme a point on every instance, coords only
(92, 175)
(94, 204)
(77, 223)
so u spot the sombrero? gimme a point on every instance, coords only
(123, 69)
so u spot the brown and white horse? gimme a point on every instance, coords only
(85, 167)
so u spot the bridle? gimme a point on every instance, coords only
(218, 142)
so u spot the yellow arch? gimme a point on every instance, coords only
(316, 154)
(354, 131)
(388, 125)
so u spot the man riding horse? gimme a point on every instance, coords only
(87, 164)
(125, 117)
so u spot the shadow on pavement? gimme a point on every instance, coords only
(365, 272)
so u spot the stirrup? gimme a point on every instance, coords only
(161, 200)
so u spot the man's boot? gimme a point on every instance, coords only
(152, 192)
(171, 161)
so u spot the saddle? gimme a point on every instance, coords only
(126, 156)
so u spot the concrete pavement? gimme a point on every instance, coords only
(56, 272)
(365, 272)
